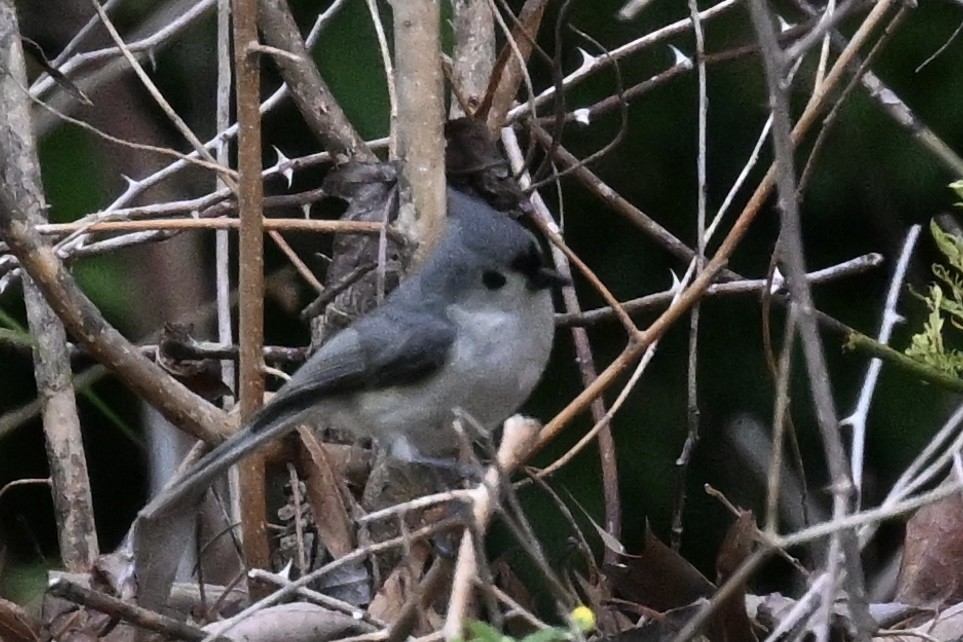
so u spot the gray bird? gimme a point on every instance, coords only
(472, 330)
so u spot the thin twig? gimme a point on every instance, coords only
(869, 517)
(247, 66)
(360, 553)
(852, 267)
(649, 39)
(613, 200)
(155, 93)
(177, 224)
(71, 64)
(916, 475)
(45, 481)
(584, 358)
(519, 435)
(79, 36)
(385, 61)
(857, 419)
(858, 76)
(511, 68)
(316, 597)
(153, 149)
(692, 379)
(222, 251)
(141, 617)
(780, 417)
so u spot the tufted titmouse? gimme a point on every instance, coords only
(472, 329)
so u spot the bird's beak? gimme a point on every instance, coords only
(548, 278)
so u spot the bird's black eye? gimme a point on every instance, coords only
(493, 279)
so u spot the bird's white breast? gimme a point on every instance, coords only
(494, 363)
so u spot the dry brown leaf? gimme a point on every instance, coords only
(658, 578)
(731, 622)
(391, 597)
(16, 625)
(332, 518)
(931, 573)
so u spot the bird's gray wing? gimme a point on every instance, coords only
(387, 347)
(390, 349)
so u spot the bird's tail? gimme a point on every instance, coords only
(190, 486)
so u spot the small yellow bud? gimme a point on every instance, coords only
(583, 618)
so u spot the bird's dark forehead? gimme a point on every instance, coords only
(528, 260)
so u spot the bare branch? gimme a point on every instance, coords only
(473, 54)
(247, 68)
(318, 106)
(144, 618)
(76, 529)
(420, 139)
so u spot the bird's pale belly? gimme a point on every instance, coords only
(491, 370)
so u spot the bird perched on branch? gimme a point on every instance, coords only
(471, 330)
